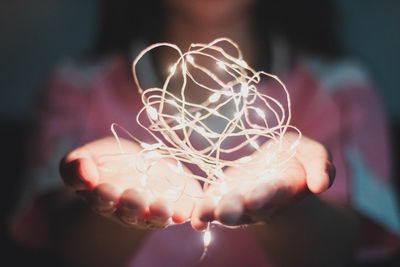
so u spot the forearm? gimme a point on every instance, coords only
(312, 233)
(83, 238)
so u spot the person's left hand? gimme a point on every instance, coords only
(309, 171)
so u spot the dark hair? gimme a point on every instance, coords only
(308, 25)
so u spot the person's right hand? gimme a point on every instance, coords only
(112, 190)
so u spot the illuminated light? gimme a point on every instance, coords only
(150, 146)
(294, 145)
(245, 159)
(176, 168)
(214, 97)
(244, 89)
(172, 69)
(268, 158)
(207, 237)
(189, 59)
(260, 113)
(143, 180)
(179, 167)
(254, 144)
(215, 112)
(201, 130)
(219, 173)
(171, 194)
(216, 199)
(221, 65)
(152, 155)
(228, 93)
(176, 146)
(242, 63)
(152, 112)
(172, 102)
(223, 188)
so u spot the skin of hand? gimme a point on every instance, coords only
(116, 196)
(309, 171)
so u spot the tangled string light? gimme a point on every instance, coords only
(233, 100)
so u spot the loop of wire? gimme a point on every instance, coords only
(173, 121)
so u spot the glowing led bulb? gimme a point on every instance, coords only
(254, 144)
(143, 180)
(244, 90)
(201, 130)
(150, 146)
(245, 159)
(189, 59)
(207, 237)
(242, 63)
(221, 65)
(172, 69)
(228, 93)
(237, 114)
(152, 112)
(260, 113)
(214, 97)
(172, 102)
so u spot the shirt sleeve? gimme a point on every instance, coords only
(59, 122)
(364, 144)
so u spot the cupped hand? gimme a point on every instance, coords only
(309, 171)
(113, 187)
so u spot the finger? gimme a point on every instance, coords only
(80, 173)
(203, 213)
(230, 209)
(182, 210)
(133, 206)
(160, 212)
(105, 198)
(317, 163)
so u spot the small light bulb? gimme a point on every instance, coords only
(214, 97)
(152, 113)
(242, 63)
(179, 167)
(228, 93)
(201, 130)
(260, 113)
(207, 237)
(215, 112)
(150, 146)
(172, 69)
(221, 65)
(223, 188)
(244, 90)
(143, 180)
(189, 59)
(172, 102)
(245, 159)
(152, 155)
(254, 144)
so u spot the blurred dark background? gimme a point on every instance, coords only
(35, 35)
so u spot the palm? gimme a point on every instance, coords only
(309, 170)
(115, 188)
